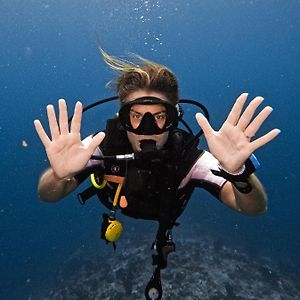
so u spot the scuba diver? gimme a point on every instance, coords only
(147, 167)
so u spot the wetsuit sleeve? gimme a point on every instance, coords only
(200, 175)
(91, 164)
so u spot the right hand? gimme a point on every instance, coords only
(66, 152)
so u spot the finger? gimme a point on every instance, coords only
(96, 141)
(264, 139)
(52, 122)
(76, 120)
(258, 121)
(204, 124)
(236, 110)
(247, 115)
(63, 116)
(41, 133)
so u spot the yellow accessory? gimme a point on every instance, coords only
(95, 184)
(117, 194)
(114, 231)
(109, 178)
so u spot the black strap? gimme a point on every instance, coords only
(243, 178)
(86, 194)
(163, 245)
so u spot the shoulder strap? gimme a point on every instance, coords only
(115, 141)
(183, 157)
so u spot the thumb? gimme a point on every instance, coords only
(96, 141)
(204, 124)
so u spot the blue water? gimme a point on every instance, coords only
(218, 49)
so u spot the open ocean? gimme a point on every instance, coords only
(218, 49)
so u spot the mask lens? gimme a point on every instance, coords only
(136, 117)
(160, 119)
(148, 116)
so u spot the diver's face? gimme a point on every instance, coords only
(137, 112)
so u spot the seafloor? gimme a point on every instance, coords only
(201, 268)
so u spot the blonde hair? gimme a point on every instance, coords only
(139, 74)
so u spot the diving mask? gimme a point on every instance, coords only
(149, 123)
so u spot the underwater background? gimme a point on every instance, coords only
(218, 49)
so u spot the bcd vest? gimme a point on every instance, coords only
(150, 188)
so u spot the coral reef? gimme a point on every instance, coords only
(203, 268)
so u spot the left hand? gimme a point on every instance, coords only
(232, 144)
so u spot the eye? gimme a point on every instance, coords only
(136, 116)
(160, 117)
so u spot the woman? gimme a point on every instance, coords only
(167, 165)
(230, 146)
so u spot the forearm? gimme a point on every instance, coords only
(52, 189)
(254, 202)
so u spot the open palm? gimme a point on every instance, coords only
(66, 152)
(232, 144)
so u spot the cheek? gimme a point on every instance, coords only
(135, 139)
(161, 139)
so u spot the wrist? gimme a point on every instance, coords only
(240, 178)
(238, 172)
(58, 178)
